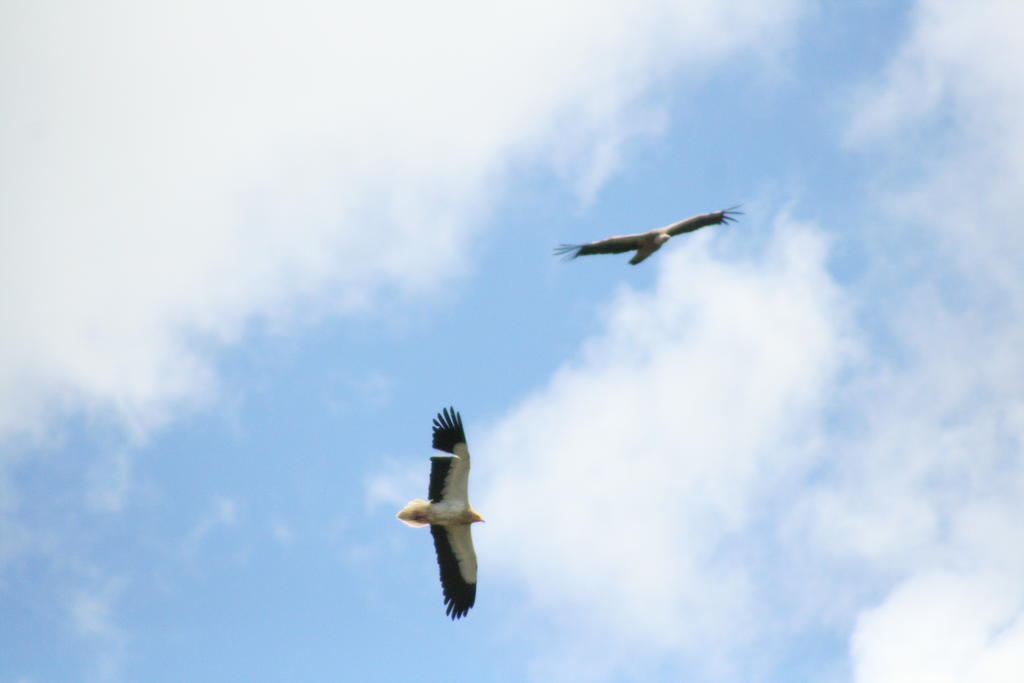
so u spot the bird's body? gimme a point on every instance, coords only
(421, 512)
(646, 243)
(449, 514)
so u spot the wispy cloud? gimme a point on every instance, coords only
(92, 616)
(224, 515)
(109, 482)
(281, 531)
(13, 536)
(396, 485)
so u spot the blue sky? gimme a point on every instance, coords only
(248, 251)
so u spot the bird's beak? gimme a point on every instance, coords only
(479, 518)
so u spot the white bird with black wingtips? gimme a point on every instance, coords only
(449, 514)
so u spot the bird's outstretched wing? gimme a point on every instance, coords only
(611, 245)
(704, 219)
(456, 560)
(449, 475)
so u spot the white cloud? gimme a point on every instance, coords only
(625, 491)
(172, 174)
(956, 110)
(941, 628)
(939, 460)
(932, 491)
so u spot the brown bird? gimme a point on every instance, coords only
(646, 243)
(449, 514)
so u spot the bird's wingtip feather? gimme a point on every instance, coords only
(729, 215)
(570, 251)
(448, 430)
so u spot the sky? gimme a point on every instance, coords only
(249, 250)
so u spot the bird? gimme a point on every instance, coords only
(646, 243)
(449, 514)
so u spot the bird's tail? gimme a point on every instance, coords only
(415, 513)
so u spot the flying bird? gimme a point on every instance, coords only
(646, 243)
(449, 514)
